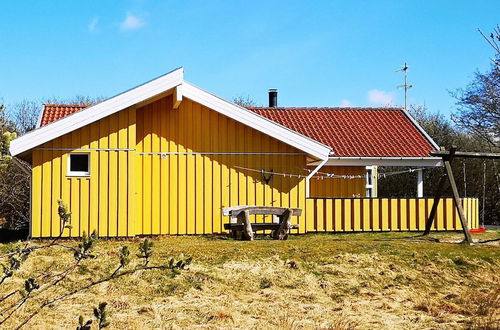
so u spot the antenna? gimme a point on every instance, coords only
(406, 86)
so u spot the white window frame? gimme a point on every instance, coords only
(369, 187)
(78, 173)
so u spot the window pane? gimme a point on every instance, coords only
(79, 163)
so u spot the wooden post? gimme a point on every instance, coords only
(447, 158)
(435, 204)
(285, 225)
(456, 197)
(247, 226)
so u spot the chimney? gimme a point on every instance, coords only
(273, 97)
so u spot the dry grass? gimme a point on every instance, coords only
(321, 281)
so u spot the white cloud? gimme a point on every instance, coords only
(380, 98)
(93, 24)
(345, 103)
(132, 22)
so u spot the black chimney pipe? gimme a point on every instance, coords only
(273, 97)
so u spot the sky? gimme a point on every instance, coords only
(317, 53)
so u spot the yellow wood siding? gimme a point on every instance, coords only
(383, 214)
(196, 165)
(339, 187)
(104, 201)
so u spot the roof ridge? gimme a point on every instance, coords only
(327, 108)
(65, 105)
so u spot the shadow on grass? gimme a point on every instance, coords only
(8, 235)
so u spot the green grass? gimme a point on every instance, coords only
(365, 280)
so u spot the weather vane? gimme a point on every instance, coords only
(406, 86)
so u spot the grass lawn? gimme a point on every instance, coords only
(335, 281)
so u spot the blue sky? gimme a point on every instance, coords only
(317, 53)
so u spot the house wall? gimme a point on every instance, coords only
(340, 187)
(210, 162)
(104, 201)
(159, 170)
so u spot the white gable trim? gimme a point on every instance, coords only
(257, 122)
(174, 79)
(97, 112)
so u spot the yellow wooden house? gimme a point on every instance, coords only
(166, 156)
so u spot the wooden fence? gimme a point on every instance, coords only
(385, 214)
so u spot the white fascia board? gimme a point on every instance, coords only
(257, 122)
(97, 112)
(383, 161)
(417, 125)
(40, 116)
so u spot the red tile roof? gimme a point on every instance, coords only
(53, 112)
(363, 132)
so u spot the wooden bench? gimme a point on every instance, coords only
(241, 227)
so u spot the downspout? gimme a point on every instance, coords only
(316, 169)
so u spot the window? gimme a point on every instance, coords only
(79, 165)
(369, 181)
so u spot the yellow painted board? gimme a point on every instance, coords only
(276, 180)
(75, 207)
(122, 174)
(199, 194)
(233, 179)
(155, 171)
(113, 177)
(347, 214)
(376, 214)
(320, 218)
(216, 196)
(131, 174)
(357, 214)
(394, 214)
(450, 210)
(422, 216)
(310, 212)
(412, 213)
(440, 214)
(338, 215)
(384, 204)
(103, 177)
(94, 178)
(241, 162)
(329, 214)
(224, 168)
(164, 178)
(146, 180)
(66, 183)
(56, 188)
(84, 206)
(207, 195)
(46, 192)
(302, 205)
(367, 214)
(403, 214)
(36, 197)
(173, 195)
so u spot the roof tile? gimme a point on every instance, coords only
(355, 132)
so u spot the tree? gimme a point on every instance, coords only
(478, 107)
(244, 101)
(479, 103)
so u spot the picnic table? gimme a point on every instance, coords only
(241, 227)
